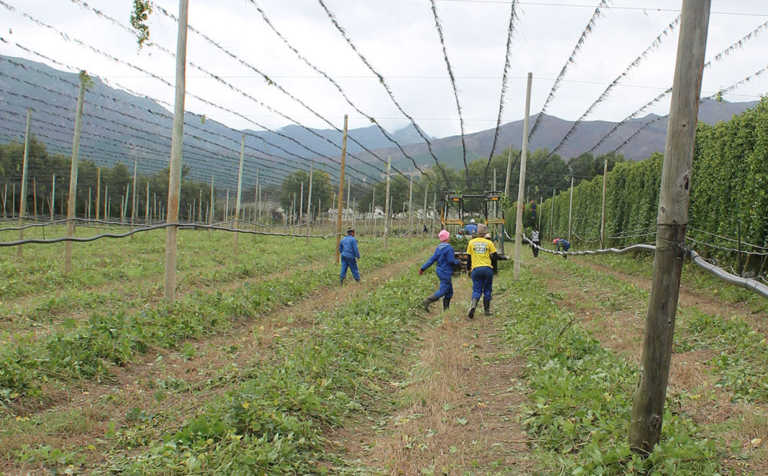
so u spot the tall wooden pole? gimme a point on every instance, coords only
(341, 187)
(239, 189)
(98, 192)
(602, 213)
(72, 199)
(309, 199)
(24, 180)
(570, 210)
(509, 172)
(146, 206)
(213, 204)
(386, 204)
(106, 202)
(226, 208)
(87, 210)
(648, 407)
(521, 181)
(5, 200)
(53, 196)
(258, 188)
(135, 197)
(410, 204)
(34, 197)
(174, 174)
(301, 202)
(426, 193)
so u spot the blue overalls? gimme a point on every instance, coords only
(446, 260)
(349, 255)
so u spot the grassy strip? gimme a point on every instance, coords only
(126, 260)
(261, 259)
(742, 351)
(274, 421)
(693, 277)
(581, 398)
(87, 348)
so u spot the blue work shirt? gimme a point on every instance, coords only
(446, 259)
(471, 228)
(348, 247)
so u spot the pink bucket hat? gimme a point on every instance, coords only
(443, 235)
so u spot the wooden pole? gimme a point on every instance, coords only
(410, 204)
(602, 213)
(5, 200)
(53, 196)
(72, 199)
(24, 180)
(126, 198)
(98, 192)
(106, 202)
(213, 204)
(341, 187)
(648, 407)
(34, 197)
(570, 210)
(13, 199)
(386, 204)
(309, 199)
(135, 197)
(226, 208)
(426, 193)
(87, 210)
(239, 196)
(146, 206)
(174, 173)
(258, 188)
(301, 202)
(521, 182)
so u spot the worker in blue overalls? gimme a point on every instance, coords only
(470, 228)
(349, 256)
(446, 260)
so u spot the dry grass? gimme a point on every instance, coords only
(457, 410)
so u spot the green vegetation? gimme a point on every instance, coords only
(274, 421)
(87, 347)
(580, 399)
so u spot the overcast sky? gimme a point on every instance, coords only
(400, 40)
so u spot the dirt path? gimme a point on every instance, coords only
(188, 378)
(456, 412)
(617, 319)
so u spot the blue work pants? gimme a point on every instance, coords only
(350, 263)
(482, 282)
(445, 290)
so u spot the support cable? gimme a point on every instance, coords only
(571, 59)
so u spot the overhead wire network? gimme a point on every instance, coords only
(571, 58)
(144, 121)
(718, 57)
(169, 84)
(336, 85)
(440, 35)
(504, 77)
(386, 87)
(629, 68)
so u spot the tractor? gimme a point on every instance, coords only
(459, 209)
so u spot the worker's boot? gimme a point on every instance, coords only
(425, 303)
(487, 306)
(446, 303)
(472, 307)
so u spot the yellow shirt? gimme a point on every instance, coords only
(480, 251)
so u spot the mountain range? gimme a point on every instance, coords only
(119, 127)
